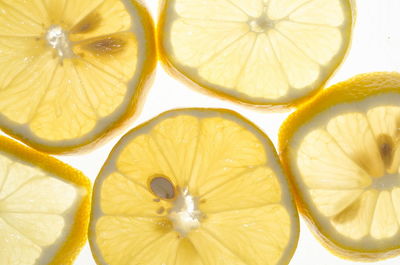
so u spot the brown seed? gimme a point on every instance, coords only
(108, 45)
(386, 147)
(160, 210)
(162, 187)
(89, 23)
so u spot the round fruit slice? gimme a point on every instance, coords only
(342, 152)
(263, 52)
(193, 186)
(71, 71)
(44, 208)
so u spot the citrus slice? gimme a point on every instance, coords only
(71, 71)
(342, 152)
(193, 186)
(263, 52)
(44, 208)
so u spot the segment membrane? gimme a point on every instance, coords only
(293, 45)
(58, 98)
(110, 17)
(384, 222)
(323, 165)
(17, 24)
(73, 11)
(216, 162)
(279, 9)
(253, 8)
(19, 248)
(115, 55)
(132, 198)
(198, 41)
(35, 212)
(320, 12)
(349, 162)
(263, 75)
(225, 68)
(320, 44)
(225, 149)
(352, 132)
(247, 190)
(133, 237)
(253, 233)
(355, 221)
(21, 97)
(300, 70)
(65, 109)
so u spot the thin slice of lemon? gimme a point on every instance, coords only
(342, 152)
(193, 186)
(71, 71)
(263, 52)
(44, 208)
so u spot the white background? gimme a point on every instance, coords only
(376, 47)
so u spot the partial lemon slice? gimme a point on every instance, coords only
(263, 52)
(342, 151)
(44, 208)
(71, 71)
(193, 186)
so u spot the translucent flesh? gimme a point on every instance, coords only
(349, 164)
(265, 51)
(224, 166)
(36, 212)
(64, 98)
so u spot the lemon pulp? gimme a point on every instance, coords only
(260, 52)
(44, 208)
(193, 187)
(71, 70)
(345, 161)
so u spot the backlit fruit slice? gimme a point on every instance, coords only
(342, 153)
(44, 208)
(263, 52)
(71, 71)
(193, 186)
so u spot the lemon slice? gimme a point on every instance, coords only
(342, 151)
(71, 71)
(193, 186)
(263, 52)
(44, 208)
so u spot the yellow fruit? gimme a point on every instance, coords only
(44, 208)
(71, 71)
(342, 153)
(193, 186)
(262, 52)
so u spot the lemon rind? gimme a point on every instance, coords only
(358, 88)
(125, 113)
(273, 160)
(77, 236)
(174, 70)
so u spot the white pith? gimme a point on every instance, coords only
(184, 214)
(377, 184)
(258, 35)
(57, 43)
(57, 38)
(45, 252)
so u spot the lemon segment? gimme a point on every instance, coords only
(72, 71)
(342, 154)
(259, 52)
(44, 208)
(194, 186)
